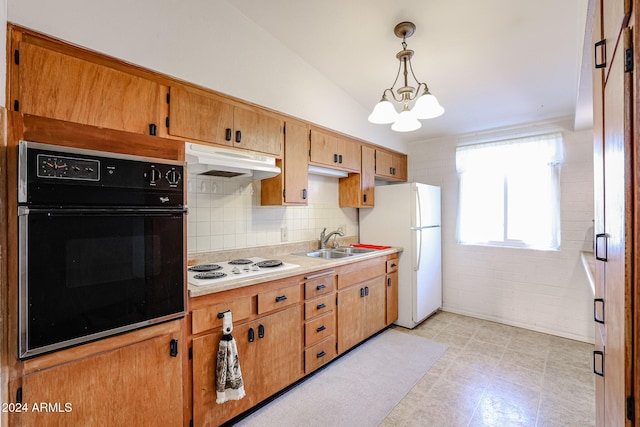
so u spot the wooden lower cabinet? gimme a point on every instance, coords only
(361, 312)
(139, 384)
(268, 364)
(392, 291)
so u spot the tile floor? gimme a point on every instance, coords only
(497, 375)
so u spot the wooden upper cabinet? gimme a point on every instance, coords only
(66, 87)
(202, 116)
(391, 165)
(290, 187)
(357, 189)
(329, 150)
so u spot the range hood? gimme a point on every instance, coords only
(227, 163)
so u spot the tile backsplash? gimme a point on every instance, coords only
(226, 214)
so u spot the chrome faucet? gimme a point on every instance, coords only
(324, 239)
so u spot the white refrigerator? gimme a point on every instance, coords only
(408, 215)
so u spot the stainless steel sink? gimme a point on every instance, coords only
(340, 252)
(353, 251)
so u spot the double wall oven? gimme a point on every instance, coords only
(101, 245)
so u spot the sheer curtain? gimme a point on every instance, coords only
(509, 192)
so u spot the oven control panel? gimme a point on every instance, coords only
(68, 168)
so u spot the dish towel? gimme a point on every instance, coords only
(229, 385)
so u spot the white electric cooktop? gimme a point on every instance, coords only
(221, 272)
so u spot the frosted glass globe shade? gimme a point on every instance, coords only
(427, 107)
(383, 113)
(406, 122)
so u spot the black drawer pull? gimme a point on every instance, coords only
(238, 136)
(227, 134)
(366, 291)
(321, 328)
(340, 159)
(251, 335)
(281, 298)
(320, 306)
(595, 310)
(335, 158)
(321, 354)
(601, 371)
(260, 331)
(394, 265)
(304, 194)
(364, 198)
(602, 44)
(388, 281)
(320, 287)
(361, 292)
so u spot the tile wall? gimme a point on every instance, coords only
(546, 291)
(226, 214)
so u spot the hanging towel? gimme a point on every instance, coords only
(229, 385)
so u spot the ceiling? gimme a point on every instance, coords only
(491, 63)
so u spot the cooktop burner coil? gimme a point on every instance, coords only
(205, 267)
(269, 263)
(210, 275)
(241, 261)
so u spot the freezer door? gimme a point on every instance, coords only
(427, 274)
(426, 205)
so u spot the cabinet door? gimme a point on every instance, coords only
(374, 308)
(348, 154)
(324, 148)
(128, 386)
(392, 298)
(64, 87)
(198, 116)
(257, 131)
(350, 317)
(295, 164)
(268, 364)
(399, 164)
(367, 176)
(384, 163)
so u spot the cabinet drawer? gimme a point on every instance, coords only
(207, 318)
(318, 306)
(357, 276)
(284, 297)
(319, 285)
(392, 265)
(319, 354)
(319, 329)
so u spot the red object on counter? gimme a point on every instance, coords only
(361, 245)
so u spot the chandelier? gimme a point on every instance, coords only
(417, 103)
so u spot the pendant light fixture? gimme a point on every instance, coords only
(417, 103)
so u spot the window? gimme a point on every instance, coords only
(509, 192)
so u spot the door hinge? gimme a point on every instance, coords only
(168, 98)
(166, 122)
(16, 56)
(336, 300)
(190, 423)
(173, 348)
(309, 136)
(19, 395)
(284, 130)
(190, 353)
(628, 60)
(284, 194)
(630, 408)
(16, 105)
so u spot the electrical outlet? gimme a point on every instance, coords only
(284, 234)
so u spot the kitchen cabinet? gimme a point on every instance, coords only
(361, 302)
(326, 149)
(320, 319)
(270, 359)
(615, 358)
(128, 385)
(357, 189)
(49, 81)
(390, 165)
(392, 291)
(290, 187)
(200, 115)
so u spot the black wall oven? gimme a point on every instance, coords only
(101, 245)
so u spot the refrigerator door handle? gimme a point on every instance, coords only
(419, 254)
(419, 219)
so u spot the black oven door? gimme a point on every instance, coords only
(87, 274)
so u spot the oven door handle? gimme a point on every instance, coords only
(25, 210)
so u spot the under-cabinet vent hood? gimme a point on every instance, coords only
(223, 162)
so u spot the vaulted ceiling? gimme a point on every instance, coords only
(491, 63)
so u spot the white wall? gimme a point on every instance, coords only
(207, 42)
(545, 291)
(226, 214)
